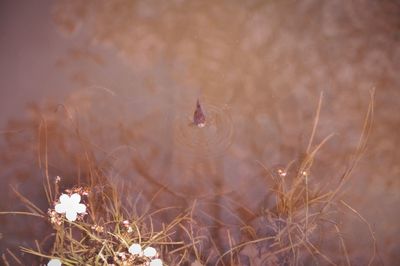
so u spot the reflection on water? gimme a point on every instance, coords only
(258, 68)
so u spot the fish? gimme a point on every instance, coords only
(199, 119)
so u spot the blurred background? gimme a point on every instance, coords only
(128, 74)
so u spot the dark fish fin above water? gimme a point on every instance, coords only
(199, 119)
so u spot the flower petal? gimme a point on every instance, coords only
(54, 262)
(156, 262)
(80, 208)
(60, 208)
(135, 249)
(64, 198)
(150, 252)
(71, 215)
(75, 198)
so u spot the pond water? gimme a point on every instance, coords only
(122, 78)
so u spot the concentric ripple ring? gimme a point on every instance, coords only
(211, 140)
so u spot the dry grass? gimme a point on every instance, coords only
(291, 229)
(302, 208)
(107, 230)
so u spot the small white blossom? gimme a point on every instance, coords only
(135, 249)
(150, 252)
(70, 206)
(156, 262)
(54, 262)
(122, 255)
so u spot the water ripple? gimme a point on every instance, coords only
(211, 140)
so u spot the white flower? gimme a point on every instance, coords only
(150, 252)
(70, 206)
(156, 262)
(135, 249)
(54, 262)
